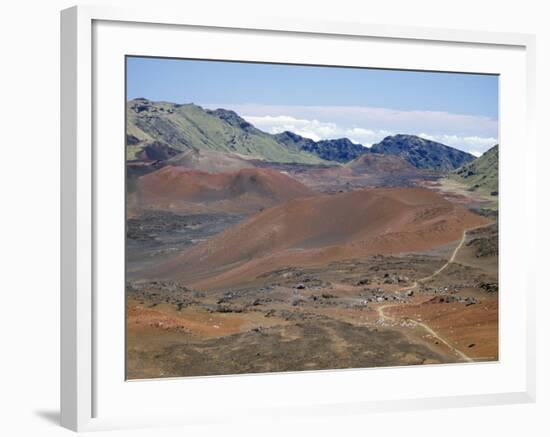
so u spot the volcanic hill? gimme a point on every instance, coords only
(376, 163)
(210, 161)
(321, 229)
(368, 170)
(244, 191)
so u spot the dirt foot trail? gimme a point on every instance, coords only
(451, 259)
(383, 317)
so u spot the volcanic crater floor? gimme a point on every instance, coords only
(375, 312)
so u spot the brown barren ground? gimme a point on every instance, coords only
(322, 229)
(364, 278)
(248, 190)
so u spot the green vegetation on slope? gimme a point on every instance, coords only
(480, 175)
(188, 126)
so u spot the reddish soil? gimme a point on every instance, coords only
(251, 189)
(376, 163)
(318, 230)
(366, 171)
(471, 329)
(372, 164)
(238, 270)
(198, 322)
(322, 317)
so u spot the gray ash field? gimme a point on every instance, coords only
(155, 235)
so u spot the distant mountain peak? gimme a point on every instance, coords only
(423, 153)
(339, 150)
(183, 126)
(230, 117)
(342, 141)
(292, 135)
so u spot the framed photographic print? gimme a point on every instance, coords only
(271, 219)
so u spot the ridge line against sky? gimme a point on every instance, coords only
(365, 105)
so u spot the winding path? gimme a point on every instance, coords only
(382, 316)
(451, 259)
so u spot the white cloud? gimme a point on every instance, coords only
(472, 144)
(368, 125)
(367, 137)
(315, 129)
(376, 118)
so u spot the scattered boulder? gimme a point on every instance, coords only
(489, 287)
(228, 309)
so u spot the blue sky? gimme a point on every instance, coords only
(327, 102)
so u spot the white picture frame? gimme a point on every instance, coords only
(85, 377)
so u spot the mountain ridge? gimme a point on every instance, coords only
(423, 153)
(161, 130)
(189, 126)
(339, 149)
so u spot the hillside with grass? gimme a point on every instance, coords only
(480, 175)
(164, 129)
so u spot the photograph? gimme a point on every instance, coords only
(288, 217)
(267, 219)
